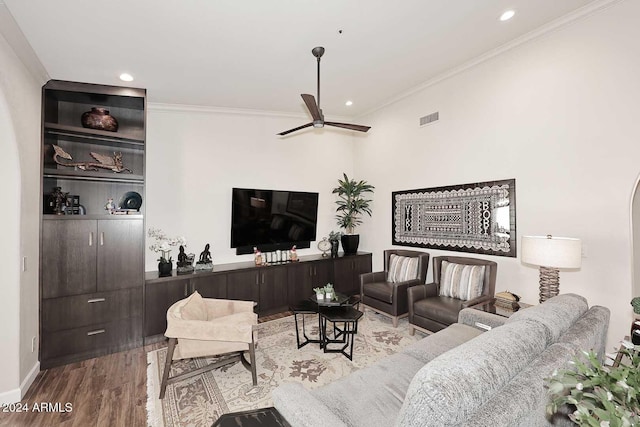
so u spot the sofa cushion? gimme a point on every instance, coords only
(382, 291)
(444, 340)
(461, 281)
(402, 268)
(522, 402)
(557, 313)
(356, 402)
(470, 374)
(589, 332)
(443, 309)
(194, 308)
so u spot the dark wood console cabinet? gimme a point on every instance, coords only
(274, 288)
(92, 263)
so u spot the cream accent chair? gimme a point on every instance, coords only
(199, 327)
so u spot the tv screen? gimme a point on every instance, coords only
(272, 219)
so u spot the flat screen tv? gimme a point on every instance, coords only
(272, 219)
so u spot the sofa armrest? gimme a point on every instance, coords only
(478, 318)
(301, 409)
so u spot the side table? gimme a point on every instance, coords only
(490, 307)
(348, 317)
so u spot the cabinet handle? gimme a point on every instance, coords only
(91, 238)
(96, 332)
(92, 300)
(185, 290)
(257, 278)
(102, 238)
(263, 278)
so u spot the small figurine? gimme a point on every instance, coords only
(205, 262)
(257, 256)
(185, 262)
(110, 206)
(293, 254)
(58, 200)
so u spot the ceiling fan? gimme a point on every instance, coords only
(316, 111)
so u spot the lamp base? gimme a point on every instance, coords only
(549, 283)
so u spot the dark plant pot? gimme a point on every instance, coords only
(100, 119)
(164, 268)
(635, 332)
(335, 245)
(350, 243)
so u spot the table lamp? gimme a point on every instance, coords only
(550, 254)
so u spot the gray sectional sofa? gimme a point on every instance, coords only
(461, 375)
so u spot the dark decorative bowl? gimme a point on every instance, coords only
(99, 118)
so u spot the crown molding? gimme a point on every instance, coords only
(545, 29)
(14, 36)
(184, 108)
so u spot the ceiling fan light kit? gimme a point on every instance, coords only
(316, 111)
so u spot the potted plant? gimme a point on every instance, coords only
(163, 244)
(328, 291)
(635, 325)
(599, 395)
(352, 204)
(319, 293)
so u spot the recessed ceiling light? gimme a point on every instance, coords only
(507, 15)
(348, 103)
(126, 77)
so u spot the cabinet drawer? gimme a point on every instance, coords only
(91, 338)
(88, 309)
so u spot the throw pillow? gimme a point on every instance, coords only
(402, 268)
(194, 308)
(461, 281)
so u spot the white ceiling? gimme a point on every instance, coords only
(256, 54)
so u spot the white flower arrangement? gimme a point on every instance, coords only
(164, 244)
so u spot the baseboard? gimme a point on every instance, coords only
(11, 396)
(29, 379)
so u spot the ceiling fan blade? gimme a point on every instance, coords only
(295, 129)
(359, 128)
(312, 106)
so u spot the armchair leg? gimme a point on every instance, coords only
(412, 330)
(167, 366)
(394, 320)
(252, 357)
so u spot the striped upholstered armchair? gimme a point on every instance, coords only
(458, 282)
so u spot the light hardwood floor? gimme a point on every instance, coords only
(106, 391)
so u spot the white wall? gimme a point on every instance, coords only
(20, 135)
(195, 157)
(559, 114)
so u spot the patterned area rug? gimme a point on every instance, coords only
(200, 400)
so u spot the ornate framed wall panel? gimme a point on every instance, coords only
(478, 218)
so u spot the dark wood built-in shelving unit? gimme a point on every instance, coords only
(92, 266)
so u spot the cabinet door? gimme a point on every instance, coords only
(305, 276)
(68, 257)
(158, 298)
(214, 286)
(120, 254)
(243, 285)
(347, 272)
(273, 290)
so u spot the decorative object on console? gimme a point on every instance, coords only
(257, 256)
(109, 206)
(507, 300)
(100, 119)
(478, 218)
(58, 200)
(163, 244)
(205, 263)
(185, 261)
(334, 238)
(293, 254)
(316, 111)
(550, 254)
(351, 206)
(324, 245)
(112, 163)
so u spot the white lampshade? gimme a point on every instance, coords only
(554, 252)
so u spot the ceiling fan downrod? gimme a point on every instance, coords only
(318, 52)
